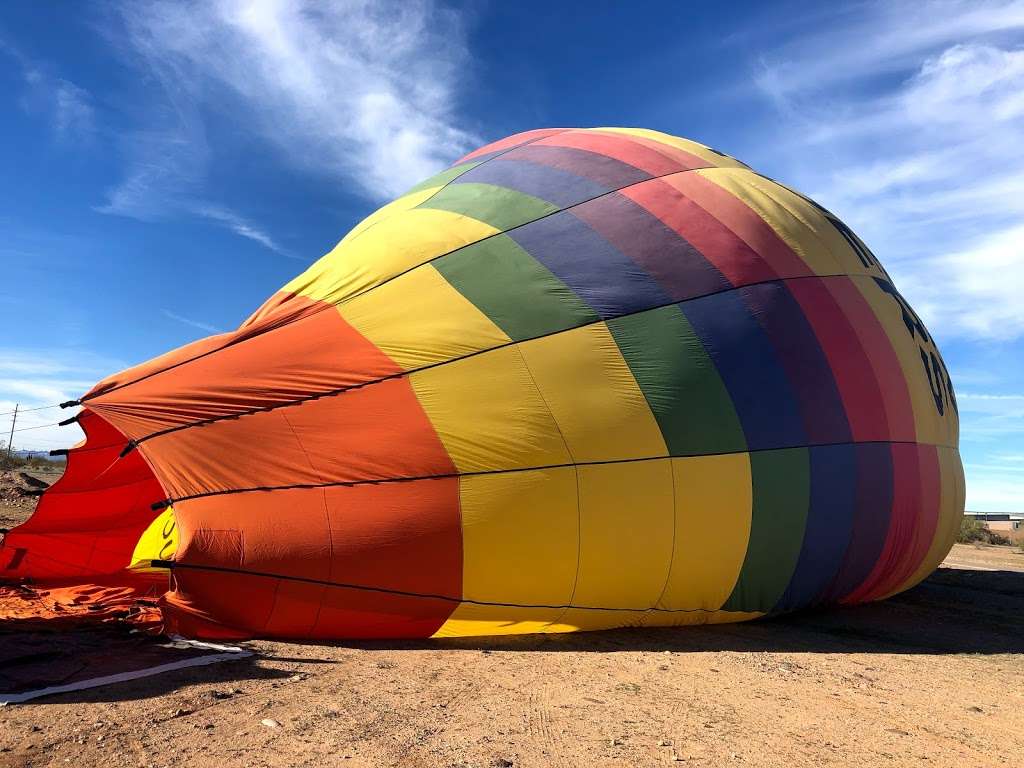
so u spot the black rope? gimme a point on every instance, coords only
(173, 565)
(438, 364)
(163, 504)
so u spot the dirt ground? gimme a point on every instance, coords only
(933, 677)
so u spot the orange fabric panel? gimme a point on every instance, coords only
(403, 536)
(373, 432)
(57, 607)
(318, 353)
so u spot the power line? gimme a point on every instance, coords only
(27, 410)
(37, 426)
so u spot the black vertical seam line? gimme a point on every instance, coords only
(118, 387)
(401, 374)
(675, 526)
(576, 474)
(330, 543)
(174, 565)
(323, 492)
(511, 470)
(664, 437)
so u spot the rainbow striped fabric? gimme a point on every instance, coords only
(581, 379)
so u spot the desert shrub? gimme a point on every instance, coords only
(975, 531)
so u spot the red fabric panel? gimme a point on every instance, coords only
(687, 159)
(657, 162)
(736, 260)
(87, 523)
(743, 221)
(849, 361)
(888, 372)
(508, 143)
(925, 522)
(903, 522)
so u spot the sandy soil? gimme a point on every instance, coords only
(933, 677)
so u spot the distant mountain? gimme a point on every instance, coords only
(27, 454)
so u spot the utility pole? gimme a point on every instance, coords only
(14, 420)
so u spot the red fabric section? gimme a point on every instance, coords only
(907, 504)
(736, 260)
(743, 221)
(508, 143)
(87, 523)
(627, 149)
(849, 361)
(393, 536)
(885, 363)
(681, 156)
(925, 523)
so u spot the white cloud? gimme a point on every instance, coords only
(67, 106)
(38, 379)
(361, 92)
(976, 292)
(877, 39)
(907, 120)
(241, 227)
(190, 322)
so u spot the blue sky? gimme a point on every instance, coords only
(168, 166)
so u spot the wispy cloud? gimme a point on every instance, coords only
(241, 227)
(36, 380)
(190, 322)
(361, 92)
(913, 114)
(67, 106)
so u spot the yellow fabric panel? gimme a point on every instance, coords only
(949, 517)
(158, 542)
(797, 222)
(593, 396)
(392, 246)
(488, 413)
(713, 503)
(930, 427)
(693, 147)
(404, 203)
(469, 620)
(418, 319)
(626, 526)
(519, 545)
(959, 492)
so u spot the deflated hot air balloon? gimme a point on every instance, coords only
(582, 379)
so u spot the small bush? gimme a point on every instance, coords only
(974, 531)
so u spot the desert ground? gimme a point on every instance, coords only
(932, 677)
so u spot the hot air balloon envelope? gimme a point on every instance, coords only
(582, 379)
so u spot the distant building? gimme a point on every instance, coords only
(998, 521)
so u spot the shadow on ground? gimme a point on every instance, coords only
(951, 612)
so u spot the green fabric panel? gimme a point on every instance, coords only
(500, 207)
(514, 290)
(781, 483)
(442, 178)
(679, 380)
